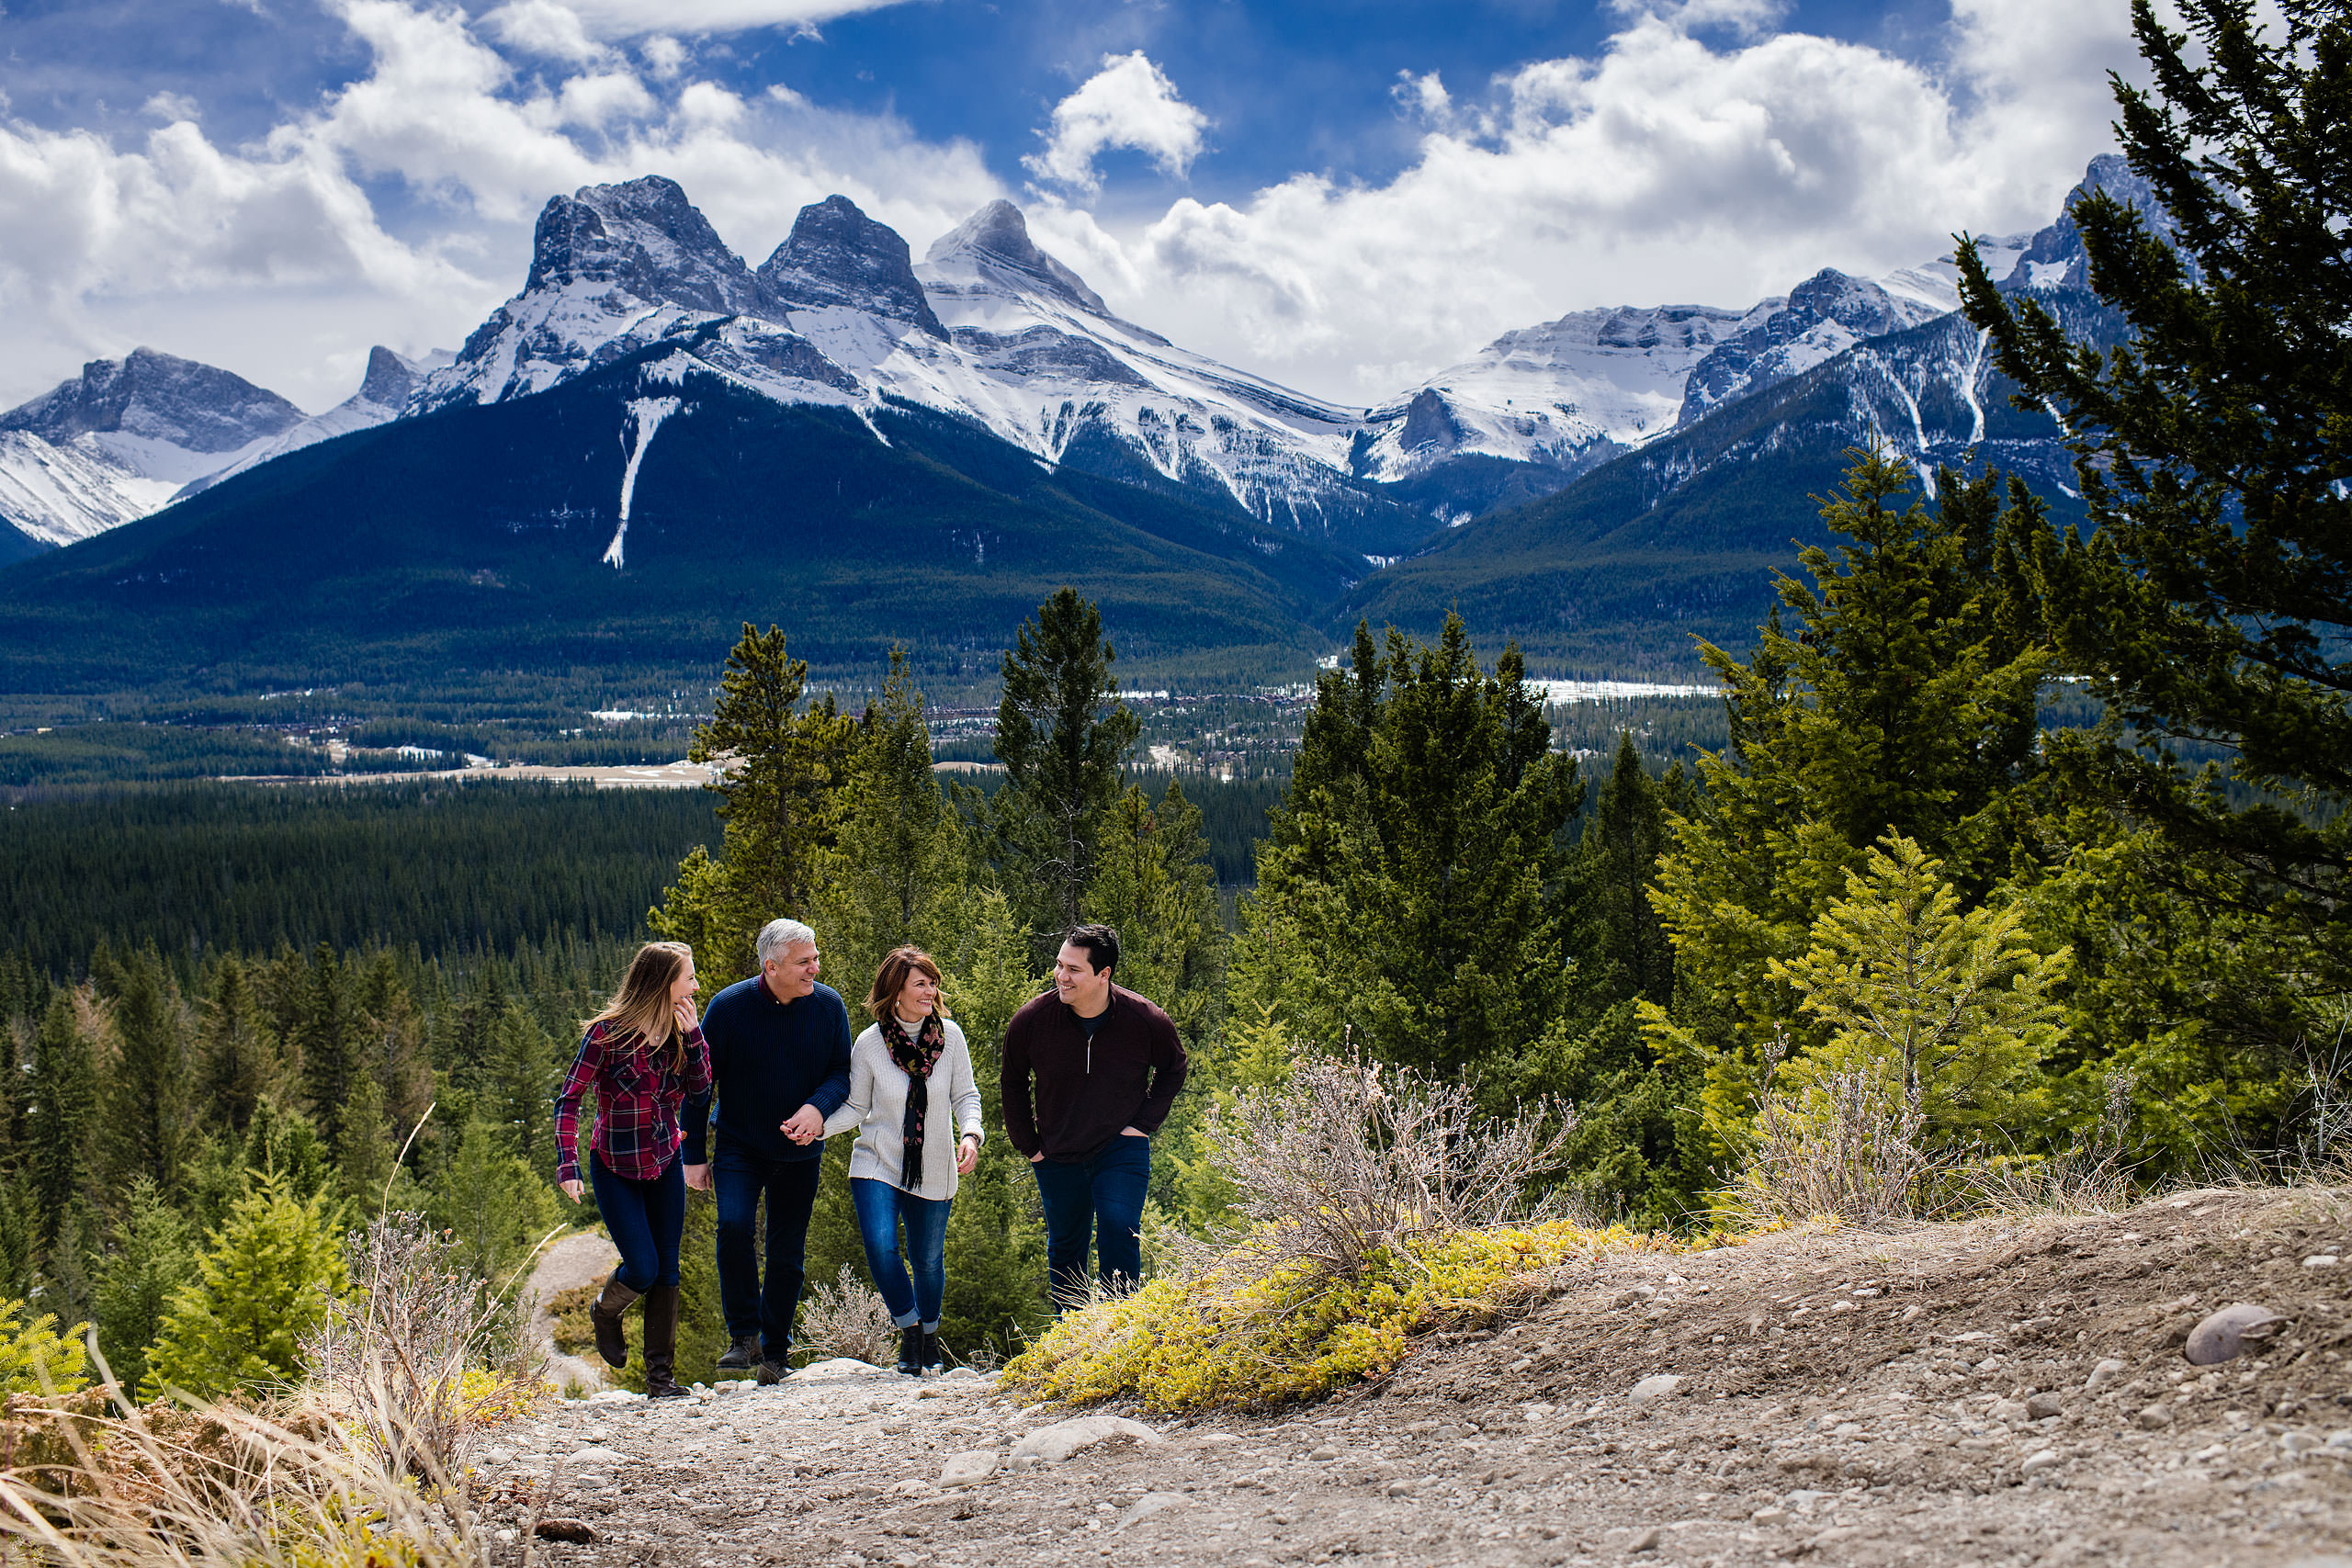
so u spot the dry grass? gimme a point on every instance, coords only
(102, 1485)
(848, 1318)
(1348, 1159)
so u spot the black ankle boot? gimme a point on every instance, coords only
(932, 1361)
(911, 1351)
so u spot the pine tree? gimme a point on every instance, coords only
(393, 1036)
(1063, 735)
(61, 1116)
(147, 1122)
(774, 794)
(1951, 1009)
(1905, 702)
(237, 1063)
(152, 1257)
(497, 1206)
(2209, 606)
(897, 870)
(326, 1035)
(364, 1151)
(518, 1085)
(1412, 894)
(262, 1282)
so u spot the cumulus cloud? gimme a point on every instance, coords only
(1129, 102)
(1673, 165)
(632, 19)
(270, 257)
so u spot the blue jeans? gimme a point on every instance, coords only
(739, 1179)
(881, 1209)
(1094, 1205)
(644, 1219)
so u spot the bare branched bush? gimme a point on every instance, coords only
(849, 1318)
(392, 1356)
(1349, 1157)
(146, 1489)
(2092, 1177)
(1847, 1145)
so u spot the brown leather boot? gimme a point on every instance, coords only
(661, 1343)
(605, 1316)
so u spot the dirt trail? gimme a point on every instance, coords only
(1992, 1393)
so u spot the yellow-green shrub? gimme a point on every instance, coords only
(1243, 1334)
(34, 1357)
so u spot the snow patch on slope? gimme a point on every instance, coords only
(646, 415)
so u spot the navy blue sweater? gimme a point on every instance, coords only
(768, 1059)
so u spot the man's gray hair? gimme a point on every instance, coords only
(780, 936)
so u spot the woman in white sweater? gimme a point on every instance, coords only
(910, 1074)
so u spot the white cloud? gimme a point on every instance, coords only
(544, 27)
(1668, 167)
(269, 258)
(1129, 102)
(664, 56)
(168, 106)
(632, 19)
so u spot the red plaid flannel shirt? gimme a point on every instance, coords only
(637, 1097)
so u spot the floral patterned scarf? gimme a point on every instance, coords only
(915, 1057)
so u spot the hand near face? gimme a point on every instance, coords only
(683, 1009)
(968, 1156)
(805, 1126)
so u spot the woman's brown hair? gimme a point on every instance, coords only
(891, 979)
(641, 1006)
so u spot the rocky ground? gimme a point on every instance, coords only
(1994, 1392)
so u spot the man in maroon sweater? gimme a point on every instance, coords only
(1089, 1072)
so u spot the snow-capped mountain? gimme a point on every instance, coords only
(385, 392)
(118, 442)
(988, 328)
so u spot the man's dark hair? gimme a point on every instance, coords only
(1100, 942)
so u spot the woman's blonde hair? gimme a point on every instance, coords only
(891, 979)
(641, 1006)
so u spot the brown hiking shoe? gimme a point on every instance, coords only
(605, 1316)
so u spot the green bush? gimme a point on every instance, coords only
(264, 1282)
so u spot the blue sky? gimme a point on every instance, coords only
(1348, 194)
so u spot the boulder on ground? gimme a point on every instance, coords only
(1056, 1443)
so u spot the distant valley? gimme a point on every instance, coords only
(654, 441)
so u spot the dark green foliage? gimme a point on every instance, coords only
(774, 797)
(101, 753)
(324, 1044)
(233, 868)
(236, 1057)
(2211, 604)
(1905, 702)
(1412, 899)
(1062, 735)
(61, 1116)
(146, 1099)
(153, 1256)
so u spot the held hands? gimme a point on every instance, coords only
(805, 1126)
(968, 1155)
(572, 1189)
(698, 1177)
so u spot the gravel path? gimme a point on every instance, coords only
(1986, 1394)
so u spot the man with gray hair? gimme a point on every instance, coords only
(779, 1066)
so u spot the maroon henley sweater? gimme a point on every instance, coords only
(1067, 1098)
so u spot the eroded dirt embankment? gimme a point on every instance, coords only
(1992, 1393)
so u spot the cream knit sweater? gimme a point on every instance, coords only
(877, 1107)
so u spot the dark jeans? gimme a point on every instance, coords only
(740, 1177)
(644, 1219)
(880, 1209)
(1094, 1205)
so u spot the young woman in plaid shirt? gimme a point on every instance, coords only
(643, 1056)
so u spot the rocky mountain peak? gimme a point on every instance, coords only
(645, 238)
(995, 242)
(157, 397)
(836, 256)
(389, 379)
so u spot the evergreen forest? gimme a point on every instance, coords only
(2024, 837)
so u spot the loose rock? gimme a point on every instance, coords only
(1056, 1443)
(1662, 1386)
(967, 1469)
(2223, 1335)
